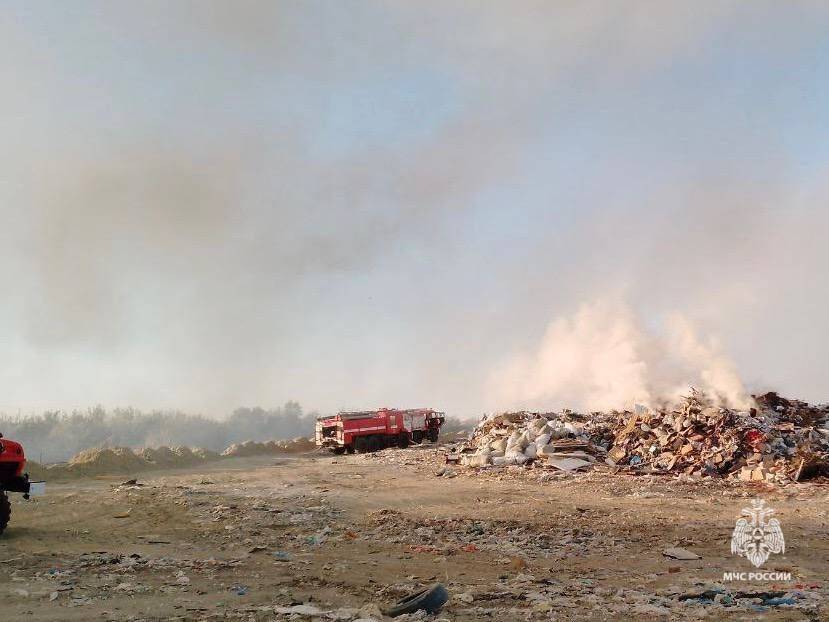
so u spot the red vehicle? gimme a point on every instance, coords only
(371, 430)
(12, 478)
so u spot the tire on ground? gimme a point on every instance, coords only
(417, 437)
(361, 445)
(5, 510)
(430, 600)
(403, 440)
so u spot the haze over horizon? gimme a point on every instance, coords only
(208, 204)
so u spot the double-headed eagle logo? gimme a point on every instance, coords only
(759, 537)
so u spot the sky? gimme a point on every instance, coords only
(463, 205)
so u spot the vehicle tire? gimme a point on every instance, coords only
(350, 449)
(403, 440)
(361, 445)
(433, 435)
(375, 444)
(5, 510)
(339, 450)
(430, 600)
(417, 437)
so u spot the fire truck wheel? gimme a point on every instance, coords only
(350, 449)
(430, 600)
(5, 510)
(403, 440)
(433, 435)
(339, 450)
(417, 437)
(360, 445)
(375, 443)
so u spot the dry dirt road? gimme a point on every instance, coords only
(247, 539)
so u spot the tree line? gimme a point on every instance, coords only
(55, 436)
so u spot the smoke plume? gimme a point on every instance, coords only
(602, 358)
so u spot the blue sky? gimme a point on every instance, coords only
(210, 204)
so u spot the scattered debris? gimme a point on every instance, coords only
(678, 553)
(302, 610)
(510, 551)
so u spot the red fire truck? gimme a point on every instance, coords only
(371, 430)
(13, 479)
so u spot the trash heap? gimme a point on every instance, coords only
(777, 440)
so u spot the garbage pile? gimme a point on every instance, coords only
(777, 440)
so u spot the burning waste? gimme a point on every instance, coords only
(776, 440)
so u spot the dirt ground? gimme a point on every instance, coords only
(248, 539)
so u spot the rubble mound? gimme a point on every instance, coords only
(100, 461)
(300, 443)
(120, 460)
(160, 456)
(254, 448)
(777, 440)
(248, 448)
(206, 455)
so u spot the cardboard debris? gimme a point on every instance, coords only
(567, 464)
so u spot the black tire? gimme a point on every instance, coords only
(430, 600)
(403, 440)
(350, 449)
(433, 435)
(339, 450)
(361, 445)
(376, 443)
(5, 510)
(417, 437)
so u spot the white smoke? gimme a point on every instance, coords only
(602, 358)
